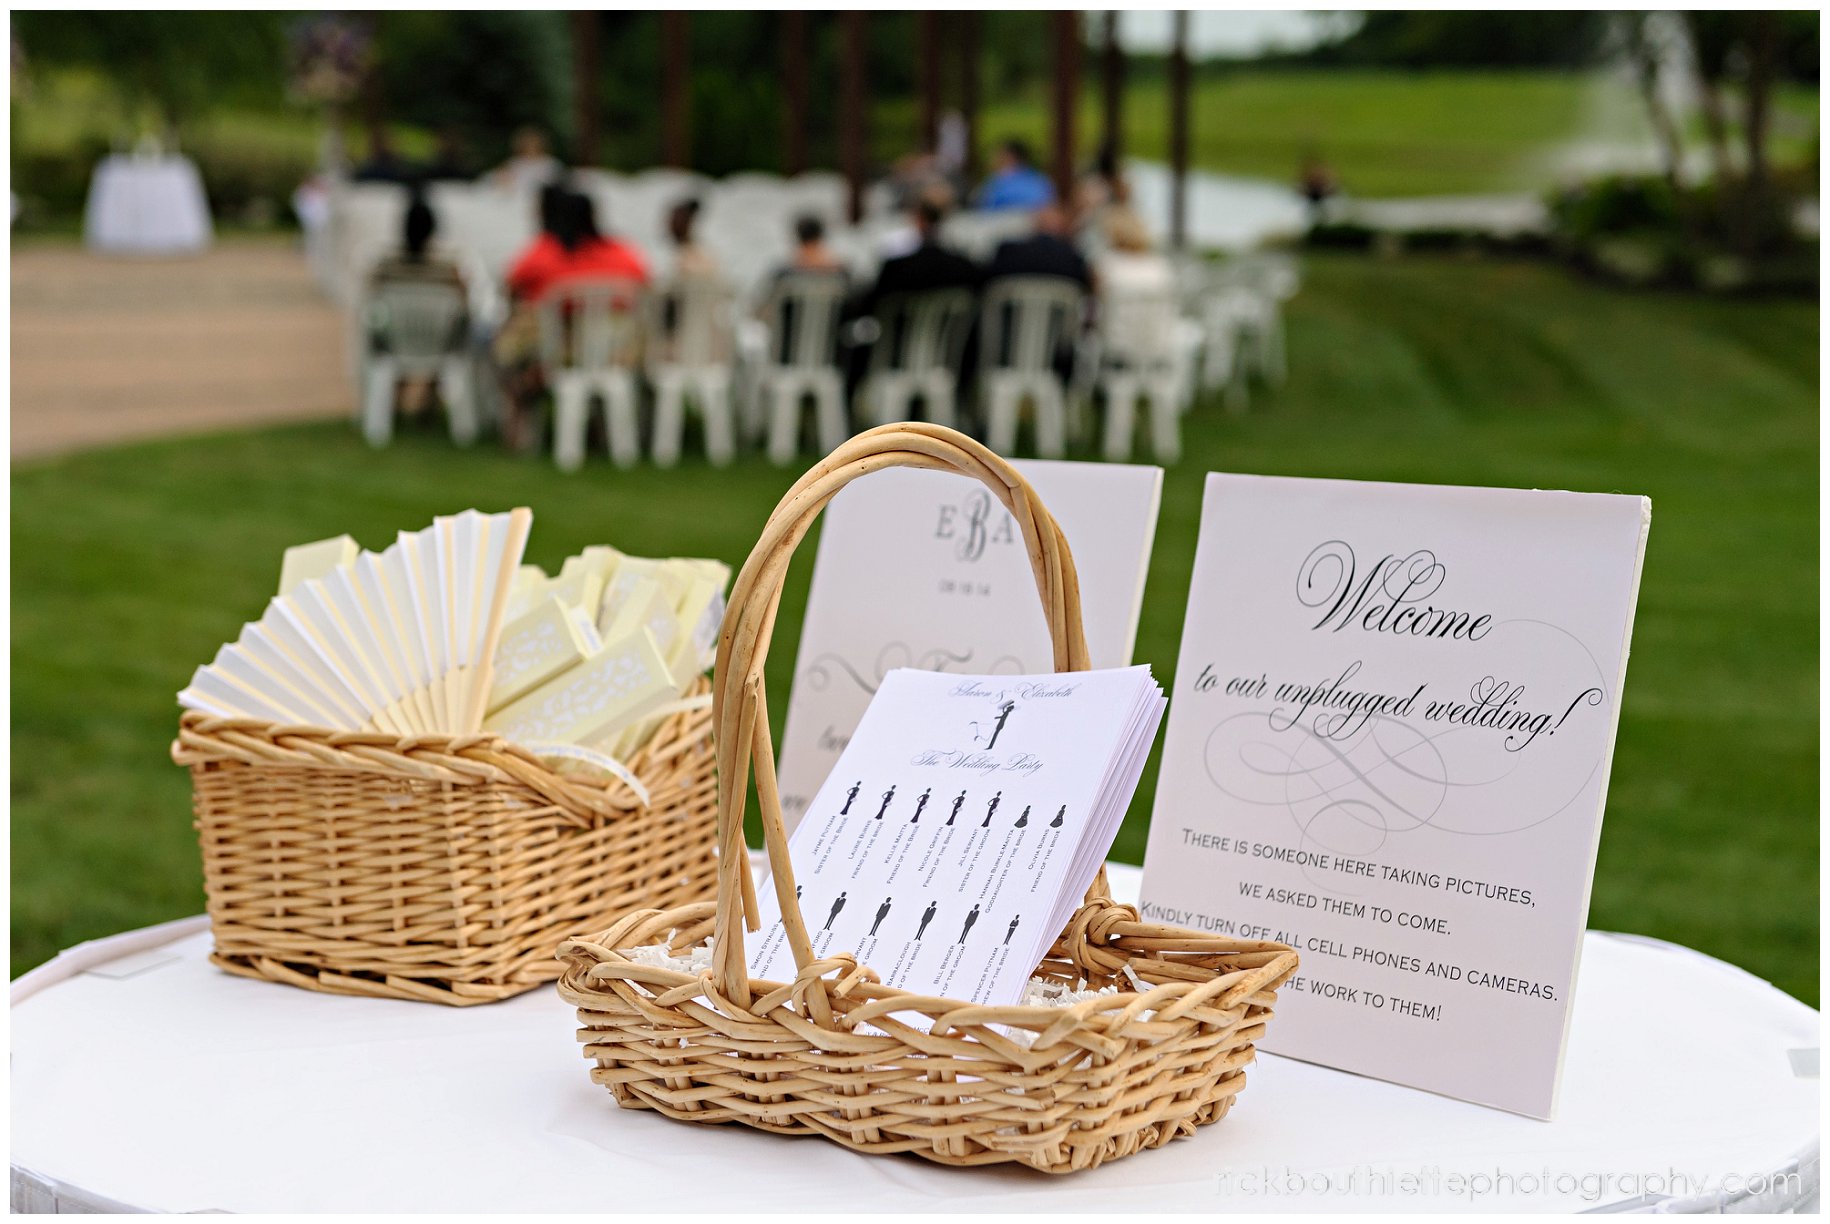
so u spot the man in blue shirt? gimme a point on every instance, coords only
(1015, 182)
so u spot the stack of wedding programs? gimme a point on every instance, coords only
(963, 825)
(446, 632)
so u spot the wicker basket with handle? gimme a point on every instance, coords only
(831, 1053)
(437, 868)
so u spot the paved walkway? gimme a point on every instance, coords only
(108, 349)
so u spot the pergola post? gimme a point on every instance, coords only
(676, 83)
(969, 88)
(1067, 98)
(852, 102)
(794, 85)
(1178, 133)
(928, 52)
(1112, 81)
(584, 87)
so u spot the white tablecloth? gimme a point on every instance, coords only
(145, 1078)
(146, 205)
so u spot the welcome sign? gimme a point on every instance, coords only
(1388, 746)
(928, 570)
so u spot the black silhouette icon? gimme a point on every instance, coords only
(1056, 822)
(1013, 927)
(881, 911)
(836, 907)
(971, 918)
(927, 916)
(797, 891)
(997, 728)
(849, 796)
(956, 803)
(995, 800)
(919, 804)
(887, 796)
(1023, 820)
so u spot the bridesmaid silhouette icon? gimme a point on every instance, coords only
(887, 796)
(919, 804)
(956, 803)
(995, 800)
(1056, 822)
(849, 796)
(1023, 820)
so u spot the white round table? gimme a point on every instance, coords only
(146, 204)
(143, 1078)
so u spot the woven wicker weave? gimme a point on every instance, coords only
(1097, 1080)
(445, 869)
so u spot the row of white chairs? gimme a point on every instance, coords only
(752, 376)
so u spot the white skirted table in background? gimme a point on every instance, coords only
(145, 1079)
(146, 204)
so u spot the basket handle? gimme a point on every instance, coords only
(739, 709)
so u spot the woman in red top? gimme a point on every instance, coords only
(569, 246)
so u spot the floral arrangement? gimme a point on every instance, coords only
(328, 57)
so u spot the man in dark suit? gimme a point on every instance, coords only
(1047, 252)
(928, 267)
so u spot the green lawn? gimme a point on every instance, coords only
(1384, 133)
(131, 566)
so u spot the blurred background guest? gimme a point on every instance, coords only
(1046, 252)
(415, 263)
(811, 252)
(690, 258)
(569, 246)
(1015, 182)
(1317, 183)
(384, 164)
(530, 164)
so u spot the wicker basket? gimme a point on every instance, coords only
(829, 1053)
(444, 869)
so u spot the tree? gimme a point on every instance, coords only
(177, 63)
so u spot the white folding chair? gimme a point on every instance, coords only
(691, 348)
(417, 329)
(802, 317)
(921, 339)
(1024, 322)
(1139, 362)
(590, 339)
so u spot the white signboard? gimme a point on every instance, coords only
(1388, 746)
(928, 570)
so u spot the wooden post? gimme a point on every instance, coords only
(584, 87)
(969, 88)
(928, 50)
(1112, 63)
(1067, 99)
(794, 85)
(676, 87)
(1178, 133)
(852, 103)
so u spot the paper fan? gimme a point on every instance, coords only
(401, 641)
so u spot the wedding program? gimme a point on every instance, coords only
(1394, 715)
(927, 569)
(963, 825)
